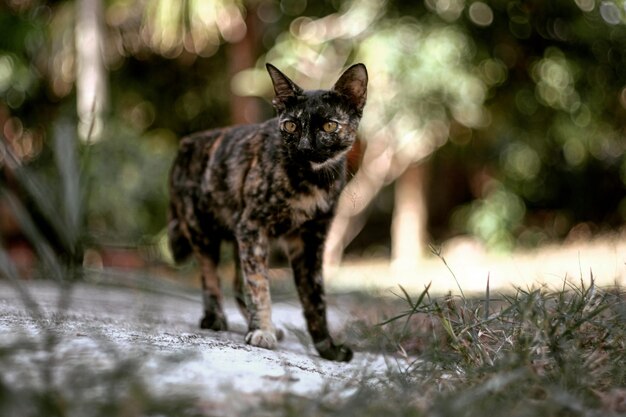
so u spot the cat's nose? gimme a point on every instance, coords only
(305, 145)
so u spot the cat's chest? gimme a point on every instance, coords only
(305, 206)
(285, 213)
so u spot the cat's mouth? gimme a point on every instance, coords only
(319, 157)
(314, 157)
(327, 161)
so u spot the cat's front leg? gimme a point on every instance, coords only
(253, 248)
(305, 250)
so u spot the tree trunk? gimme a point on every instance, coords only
(243, 55)
(381, 166)
(409, 224)
(91, 83)
(377, 169)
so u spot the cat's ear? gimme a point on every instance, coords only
(353, 85)
(284, 88)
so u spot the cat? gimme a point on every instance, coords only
(280, 179)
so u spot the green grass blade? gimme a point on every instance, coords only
(67, 164)
(407, 297)
(394, 318)
(437, 252)
(415, 306)
(487, 299)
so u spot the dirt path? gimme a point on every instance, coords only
(105, 325)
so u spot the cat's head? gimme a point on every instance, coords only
(319, 127)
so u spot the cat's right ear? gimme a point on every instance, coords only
(353, 85)
(284, 88)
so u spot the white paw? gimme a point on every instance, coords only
(262, 338)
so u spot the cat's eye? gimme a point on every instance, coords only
(289, 126)
(330, 127)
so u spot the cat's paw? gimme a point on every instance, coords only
(212, 321)
(332, 352)
(262, 338)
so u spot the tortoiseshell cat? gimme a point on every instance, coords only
(277, 179)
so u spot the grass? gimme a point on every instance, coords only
(536, 352)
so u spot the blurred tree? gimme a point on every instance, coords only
(91, 88)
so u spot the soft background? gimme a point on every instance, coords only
(491, 127)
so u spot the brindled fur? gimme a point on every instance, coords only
(280, 179)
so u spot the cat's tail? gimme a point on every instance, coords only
(179, 244)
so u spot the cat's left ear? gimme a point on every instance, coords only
(284, 88)
(353, 85)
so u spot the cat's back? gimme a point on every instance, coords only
(218, 151)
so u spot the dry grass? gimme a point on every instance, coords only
(535, 352)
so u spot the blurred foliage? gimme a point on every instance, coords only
(50, 211)
(135, 180)
(525, 102)
(557, 120)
